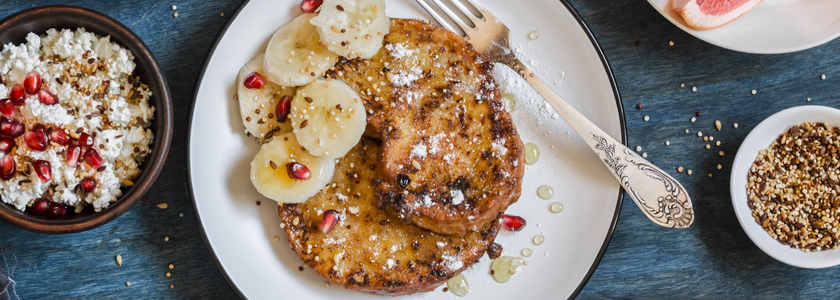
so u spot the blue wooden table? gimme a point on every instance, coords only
(712, 259)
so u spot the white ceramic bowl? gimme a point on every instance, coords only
(774, 26)
(760, 138)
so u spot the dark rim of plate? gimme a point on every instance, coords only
(101, 24)
(622, 123)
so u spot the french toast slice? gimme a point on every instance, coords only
(451, 157)
(367, 249)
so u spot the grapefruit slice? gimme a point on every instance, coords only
(711, 14)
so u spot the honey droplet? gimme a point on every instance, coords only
(556, 207)
(505, 266)
(510, 102)
(538, 240)
(545, 192)
(527, 252)
(532, 153)
(534, 35)
(458, 285)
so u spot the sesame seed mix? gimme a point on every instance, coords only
(792, 187)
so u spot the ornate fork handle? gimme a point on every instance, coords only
(660, 196)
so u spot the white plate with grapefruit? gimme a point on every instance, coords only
(770, 27)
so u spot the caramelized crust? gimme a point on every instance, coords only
(452, 160)
(368, 250)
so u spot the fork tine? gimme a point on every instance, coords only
(435, 15)
(468, 13)
(455, 17)
(485, 15)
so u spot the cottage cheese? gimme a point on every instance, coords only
(92, 78)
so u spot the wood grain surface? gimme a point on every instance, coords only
(712, 259)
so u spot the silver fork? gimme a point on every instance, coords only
(660, 196)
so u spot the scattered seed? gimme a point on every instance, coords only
(171, 266)
(671, 43)
(644, 154)
(171, 286)
(163, 205)
(753, 92)
(276, 238)
(710, 175)
(119, 260)
(128, 283)
(166, 239)
(667, 143)
(638, 106)
(686, 130)
(646, 118)
(168, 274)
(693, 88)
(174, 7)
(717, 143)
(720, 153)
(717, 125)
(719, 167)
(808, 99)
(126, 182)
(735, 125)
(693, 119)
(698, 114)
(699, 133)
(708, 146)
(682, 85)
(679, 169)
(688, 172)
(822, 76)
(175, 15)
(638, 148)
(181, 215)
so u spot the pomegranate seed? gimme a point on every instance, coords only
(283, 108)
(330, 219)
(88, 185)
(56, 210)
(309, 6)
(6, 144)
(85, 140)
(36, 139)
(8, 166)
(513, 223)
(7, 108)
(60, 137)
(32, 83)
(11, 128)
(93, 159)
(43, 169)
(17, 94)
(47, 98)
(298, 171)
(73, 153)
(254, 81)
(40, 207)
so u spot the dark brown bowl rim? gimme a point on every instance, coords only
(163, 120)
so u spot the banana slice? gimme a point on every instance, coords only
(352, 28)
(258, 105)
(328, 118)
(294, 55)
(271, 177)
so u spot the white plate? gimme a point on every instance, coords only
(774, 26)
(239, 234)
(760, 138)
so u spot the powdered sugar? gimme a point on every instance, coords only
(419, 150)
(399, 50)
(457, 196)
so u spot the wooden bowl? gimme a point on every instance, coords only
(14, 29)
